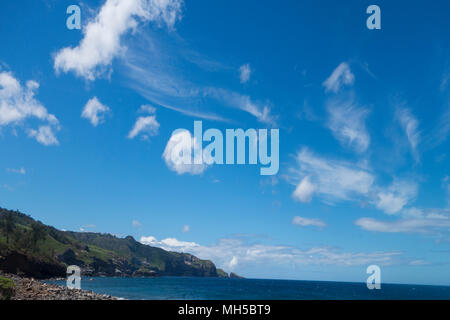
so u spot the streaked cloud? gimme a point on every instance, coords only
(347, 122)
(413, 220)
(404, 225)
(262, 112)
(305, 222)
(410, 125)
(341, 76)
(442, 129)
(167, 87)
(21, 170)
(333, 180)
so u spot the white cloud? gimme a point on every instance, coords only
(18, 171)
(136, 223)
(17, 104)
(186, 228)
(95, 111)
(305, 222)
(332, 179)
(233, 263)
(145, 108)
(410, 125)
(178, 153)
(396, 196)
(149, 240)
(44, 135)
(229, 253)
(145, 126)
(87, 226)
(102, 36)
(342, 75)
(347, 123)
(245, 73)
(304, 190)
(170, 244)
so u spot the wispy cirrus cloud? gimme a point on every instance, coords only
(262, 112)
(347, 123)
(441, 131)
(167, 87)
(413, 220)
(340, 77)
(410, 125)
(20, 170)
(334, 180)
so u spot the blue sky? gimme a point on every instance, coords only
(363, 116)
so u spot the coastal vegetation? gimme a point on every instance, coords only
(6, 288)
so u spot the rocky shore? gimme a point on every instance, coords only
(31, 289)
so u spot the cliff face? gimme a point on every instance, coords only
(19, 263)
(33, 249)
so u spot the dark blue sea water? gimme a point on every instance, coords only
(180, 288)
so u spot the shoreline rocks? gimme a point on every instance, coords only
(31, 289)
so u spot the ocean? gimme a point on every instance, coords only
(188, 288)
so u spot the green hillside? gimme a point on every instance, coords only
(30, 248)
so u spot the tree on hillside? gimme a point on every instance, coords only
(8, 225)
(37, 232)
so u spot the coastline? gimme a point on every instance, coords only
(32, 289)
